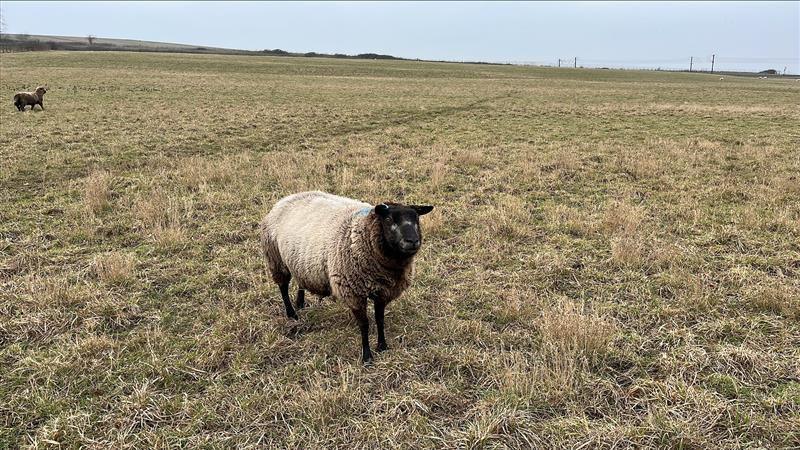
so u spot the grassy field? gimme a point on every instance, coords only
(613, 261)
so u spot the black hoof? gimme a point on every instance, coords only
(382, 347)
(293, 316)
(367, 359)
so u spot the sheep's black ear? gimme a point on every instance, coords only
(382, 210)
(422, 209)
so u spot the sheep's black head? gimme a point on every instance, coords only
(400, 227)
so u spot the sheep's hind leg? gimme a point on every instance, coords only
(300, 301)
(380, 306)
(363, 325)
(287, 302)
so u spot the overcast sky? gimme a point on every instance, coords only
(743, 35)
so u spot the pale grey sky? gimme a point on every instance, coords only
(743, 35)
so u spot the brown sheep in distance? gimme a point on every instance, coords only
(23, 99)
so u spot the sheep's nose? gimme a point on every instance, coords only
(410, 244)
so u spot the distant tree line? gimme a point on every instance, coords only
(279, 52)
(25, 43)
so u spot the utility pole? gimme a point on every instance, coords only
(712, 63)
(784, 70)
(691, 61)
(559, 63)
(2, 22)
(576, 63)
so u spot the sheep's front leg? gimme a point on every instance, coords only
(380, 305)
(287, 302)
(363, 325)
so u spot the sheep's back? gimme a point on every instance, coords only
(305, 228)
(27, 97)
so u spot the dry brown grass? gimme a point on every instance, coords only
(438, 174)
(97, 191)
(639, 163)
(198, 173)
(161, 216)
(622, 219)
(433, 222)
(780, 299)
(574, 333)
(45, 292)
(551, 377)
(114, 267)
(472, 157)
(507, 217)
(612, 260)
(630, 247)
(569, 220)
(628, 251)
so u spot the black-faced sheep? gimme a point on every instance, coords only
(344, 247)
(23, 99)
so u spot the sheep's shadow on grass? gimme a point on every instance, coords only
(322, 313)
(295, 329)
